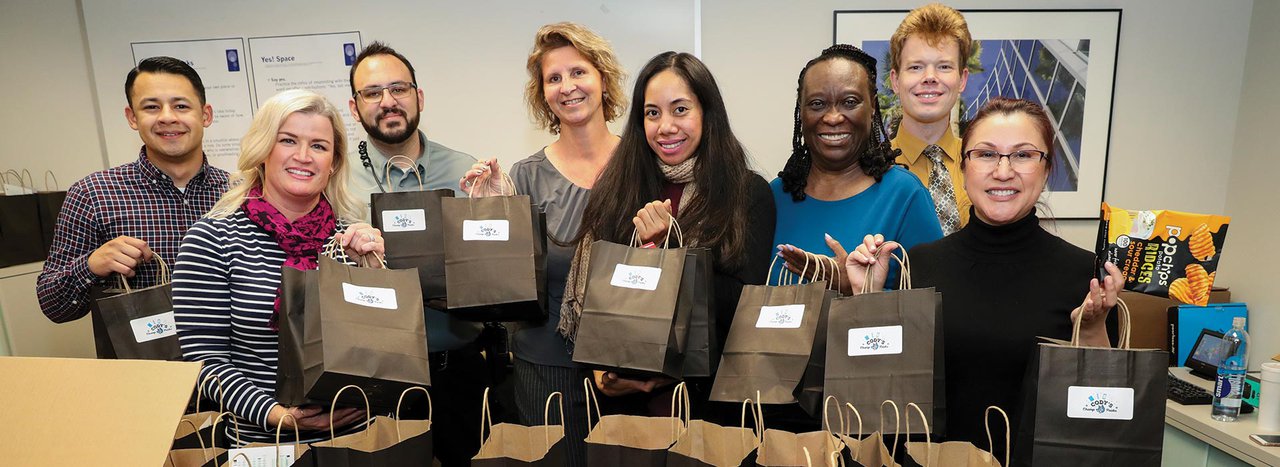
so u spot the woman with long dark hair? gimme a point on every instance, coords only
(678, 158)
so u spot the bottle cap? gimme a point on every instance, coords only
(1237, 322)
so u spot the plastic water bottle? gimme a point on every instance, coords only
(1229, 387)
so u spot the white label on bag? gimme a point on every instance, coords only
(149, 328)
(636, 277)
(781, 316)
(496, 230)
(261, 456)
(376, 297)
(879, 340)
(404, 220)
(1100, 403)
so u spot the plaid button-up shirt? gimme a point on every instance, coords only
(135, 200)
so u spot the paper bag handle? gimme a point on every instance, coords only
(200, 394)
(680, 410)
(759, 411)
(161, 279)
(508, 182)
(1123, 341)
(808, 462)
(24, 182)
(249, 462)
(334, 403)
(506, 206)
(835, 278)
(672, 226)
(430, 409)
(857, 451)
(928, 453)
(386, 172)
(194, 429)
(56, 186)
(592, 400)
(742, 422)
(333, 248)
(986, 423)
(904, 276)
(297, 436)
(486, 420)
(897, 423)
(546, 416)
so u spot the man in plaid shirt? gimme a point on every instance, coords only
(117, 220)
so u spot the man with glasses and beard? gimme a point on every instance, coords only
(386, 100)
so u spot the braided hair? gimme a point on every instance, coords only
(879, 155)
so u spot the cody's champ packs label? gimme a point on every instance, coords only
(1163, 253)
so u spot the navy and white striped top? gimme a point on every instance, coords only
(224, 289)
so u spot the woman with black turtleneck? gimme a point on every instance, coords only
(1004, 280)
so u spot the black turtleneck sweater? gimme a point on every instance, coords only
(1002, 286)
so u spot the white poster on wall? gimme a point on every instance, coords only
(316, 62)
(224, 70)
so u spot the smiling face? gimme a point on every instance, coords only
(1001, 195)
(835, 117)
(672, 118)
(572, 87)
(298, 169)
(388, 120)
(166, 111)
(929, 79)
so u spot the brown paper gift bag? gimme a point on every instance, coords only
(236, 458)
(411, 226)
(384, 441)
(516, 445)
(812, 383)
(869, 451)
(706, 444)
(139, 323)
(954, 453)
(629, 440)
(783, 448)
(771, 340)
(495, 258)
(1093, 406)
(365, 327)
(887, 345)
(210, 456)
(633, 321)
(702, 351)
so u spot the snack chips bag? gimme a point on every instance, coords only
(1163, 253)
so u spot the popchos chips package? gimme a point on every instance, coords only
(1163, 253)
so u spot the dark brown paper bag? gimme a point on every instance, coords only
(888, 346)
(1093, 406)
(365, 328)
(770, 343)
(139, 323)
(516, 445)
(706, 444)
(633, 321)
(412, 228)
(702, 353)
(495, 258)
(951, 453)
(384, 441)
(20, 229)
(629, 440)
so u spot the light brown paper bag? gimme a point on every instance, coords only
(954, 453)
(706, 444)
(516, 445)
(629, 440)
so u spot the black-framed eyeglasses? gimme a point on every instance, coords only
(398, 91)
(1021, 161)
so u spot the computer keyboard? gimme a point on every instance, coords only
(1186, 393)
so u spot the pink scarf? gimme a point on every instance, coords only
(301, 239)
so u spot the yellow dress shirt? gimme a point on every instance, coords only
(913, 157)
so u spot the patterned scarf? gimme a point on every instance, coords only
(301, 239)
(575, 285)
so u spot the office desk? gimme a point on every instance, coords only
(1192, 438)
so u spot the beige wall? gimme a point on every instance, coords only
(49, 121)
(1251, 255)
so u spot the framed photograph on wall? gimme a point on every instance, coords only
(1063, 59)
